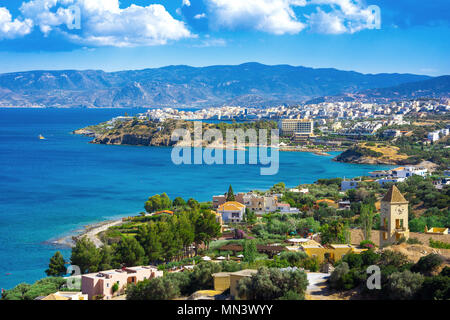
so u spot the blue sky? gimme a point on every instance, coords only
(412, 36)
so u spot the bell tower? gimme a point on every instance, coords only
(394, 217)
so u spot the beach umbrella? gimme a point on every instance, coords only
(206, 258)
(240, 256)
(220, 258)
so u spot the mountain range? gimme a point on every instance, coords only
(248, 84)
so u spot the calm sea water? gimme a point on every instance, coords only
(50, 188)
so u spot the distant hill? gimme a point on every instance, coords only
(431, 88)
(248, 84)
(438, 87)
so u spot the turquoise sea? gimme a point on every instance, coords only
(50, 188)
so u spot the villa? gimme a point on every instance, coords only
(232, 211)
(260, 204)
(100, 284)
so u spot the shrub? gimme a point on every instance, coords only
(353, 260)
(294, 258)
(367, 244)
(41, 287)
(428, 263)
(162, 288)
(310, 263)
(270, 284)
(414, 241)
(291, 295)
(393, 258)
(439, 244)
(401, 240)
(230, 266)
(445, 272)
(370, 257)
(435, 288)
(201, 276)
(404, 285)
(338, 274)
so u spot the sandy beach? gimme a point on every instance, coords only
(91, 231)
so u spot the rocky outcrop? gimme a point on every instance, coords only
(358, 155)
(133, 140)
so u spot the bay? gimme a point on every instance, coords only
(51, 188)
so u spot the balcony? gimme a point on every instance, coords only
(400, 229)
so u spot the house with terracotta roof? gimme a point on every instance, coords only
(157, 213)
(232, 211)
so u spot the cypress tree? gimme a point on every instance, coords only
(230, 194)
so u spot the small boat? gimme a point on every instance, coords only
(41, 137)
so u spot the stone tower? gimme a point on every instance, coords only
(394, 217)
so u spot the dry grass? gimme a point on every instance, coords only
(389, 152)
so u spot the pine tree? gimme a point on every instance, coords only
(56, 267)
(230, 194)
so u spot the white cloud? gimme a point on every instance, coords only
(200, 16)
(10, 29)
(346, 16)
(278, 16)
(208, 42)
(104, 23)
(322, 22)
(272, 16)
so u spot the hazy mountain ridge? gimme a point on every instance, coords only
(438, 87)
(245, 84)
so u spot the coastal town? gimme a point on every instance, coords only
(399, 133)
(325, 110)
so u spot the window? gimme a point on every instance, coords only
(385, 235)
